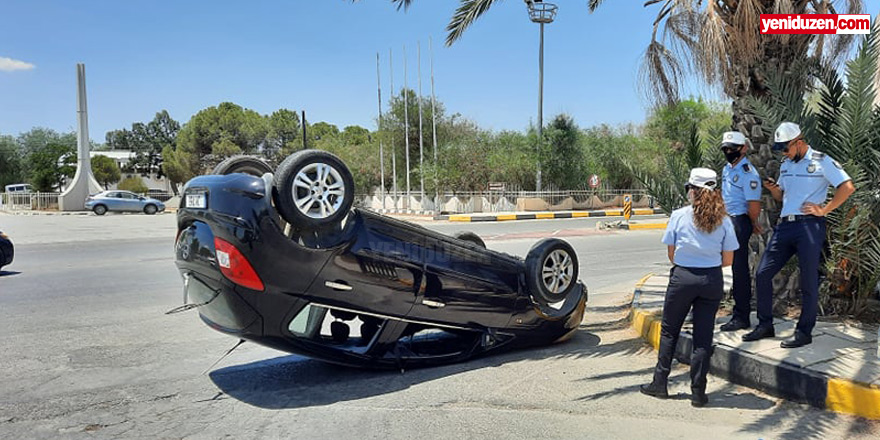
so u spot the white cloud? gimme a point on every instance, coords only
(10, 65)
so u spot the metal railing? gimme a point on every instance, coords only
(36, 201)
(466, 202)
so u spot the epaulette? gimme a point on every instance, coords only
(818, 155)
(747, 168)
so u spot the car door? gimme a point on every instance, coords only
(131, 202)
(466, 284)
(379, 271)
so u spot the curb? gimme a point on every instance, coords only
(544, 215)
(641, 226)
(779, 379)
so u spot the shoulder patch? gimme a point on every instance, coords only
(818, 155)
(754, 184)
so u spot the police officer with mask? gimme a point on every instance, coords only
(741, 189)
(804, 177)
(700, 240)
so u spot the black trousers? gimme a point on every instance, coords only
(699, 289)
(742, 276)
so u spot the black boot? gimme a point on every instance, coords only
(698, 397)
(656, 389)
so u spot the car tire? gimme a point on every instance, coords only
(150, 209)
(252, 165)
(551, 270)
(471, 237)
(308, 178)
(99, 209)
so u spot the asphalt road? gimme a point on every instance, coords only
(88, 353)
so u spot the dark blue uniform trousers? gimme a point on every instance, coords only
(742, 276)
(805, 237)
(700, 289)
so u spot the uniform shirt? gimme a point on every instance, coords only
(693, 247)
(807, 180)
(740, 184)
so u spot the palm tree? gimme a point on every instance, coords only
(845, 123)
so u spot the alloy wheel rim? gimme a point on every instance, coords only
(557, 271)
(318, 190)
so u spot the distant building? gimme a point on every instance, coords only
(122, 158)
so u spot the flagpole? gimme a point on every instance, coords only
(433, 120)
(406, 125)
(379, 133)
(421, 140)
(393, 152)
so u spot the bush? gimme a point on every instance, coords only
(134, 184)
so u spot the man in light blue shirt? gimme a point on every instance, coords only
(804, 178)
(741, 189)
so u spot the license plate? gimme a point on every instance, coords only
(196, 201)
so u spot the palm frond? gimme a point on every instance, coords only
(468, 11)
(660, 74)
(712, 58)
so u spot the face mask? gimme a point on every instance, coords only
(732, 156)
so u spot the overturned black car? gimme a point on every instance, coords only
(284, 260)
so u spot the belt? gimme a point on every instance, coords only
(796, 218)
(736, 215)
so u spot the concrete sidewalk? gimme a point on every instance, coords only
(839, 371)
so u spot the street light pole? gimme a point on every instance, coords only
(540, 106)
(541, 13)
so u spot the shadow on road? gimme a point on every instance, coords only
(297, 382)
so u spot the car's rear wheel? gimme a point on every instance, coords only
(313, 189)
(100, 209)
(150, 209)
(551, 270)
(471, 237)
(254, 166)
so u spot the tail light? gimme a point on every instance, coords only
(235, 266)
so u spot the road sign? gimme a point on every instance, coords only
(496, 186)
(627, 206)
(594, 181)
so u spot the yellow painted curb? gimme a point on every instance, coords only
(579, 214)
(643, 212)
(852, 398)
(506, 217)
(545, 215)
(647, 226)
(647, 326)
(459, 218)
(641, 283)
(613, 212)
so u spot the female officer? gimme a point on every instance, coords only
(701, 239)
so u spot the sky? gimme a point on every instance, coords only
(319, 56)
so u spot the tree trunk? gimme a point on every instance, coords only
(778, 55)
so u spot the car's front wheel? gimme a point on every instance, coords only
(100, 209)
(150, 209)
(551, 270)
(313, 189)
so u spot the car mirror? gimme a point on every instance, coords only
(142, 198)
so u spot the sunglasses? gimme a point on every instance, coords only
(730, 149)
(789, 144)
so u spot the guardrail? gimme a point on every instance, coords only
(40, 201)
